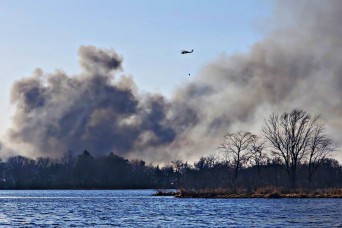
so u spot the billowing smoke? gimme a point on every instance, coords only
(298, 64)
(92, 110)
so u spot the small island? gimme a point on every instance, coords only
(273, 193)
(291, 159)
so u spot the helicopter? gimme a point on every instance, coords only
(186, 52)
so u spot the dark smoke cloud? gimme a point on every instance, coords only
(95, 60)
(93, 111)
(298, 64)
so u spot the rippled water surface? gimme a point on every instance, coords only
(137, 208)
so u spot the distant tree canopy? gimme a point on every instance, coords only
(115, 172)
(83, 172)
(293, 151)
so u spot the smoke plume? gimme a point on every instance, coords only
(298, 64)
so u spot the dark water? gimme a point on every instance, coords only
(139, 209)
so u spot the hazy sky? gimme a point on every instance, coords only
(148, 34)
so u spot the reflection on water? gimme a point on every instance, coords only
(136, 208)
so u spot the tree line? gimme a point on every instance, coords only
(293, 151)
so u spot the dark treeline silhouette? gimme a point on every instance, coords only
(114, 172)
(293, 152)
(210, 173)
(83, 172)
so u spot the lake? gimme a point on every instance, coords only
(137, 208)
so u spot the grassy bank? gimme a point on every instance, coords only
(260, 193)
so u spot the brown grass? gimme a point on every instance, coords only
(266, 192)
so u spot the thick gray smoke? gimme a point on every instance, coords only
(92, 110)
(298, 64)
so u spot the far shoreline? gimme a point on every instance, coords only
(260, 193)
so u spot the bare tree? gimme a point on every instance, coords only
(320, 148)
(257, 154)
(290, 135)
(178, 167)
(206, 163)
(68, 158)
(236, 147)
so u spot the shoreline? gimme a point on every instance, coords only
(260, 193)
(257, 196)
